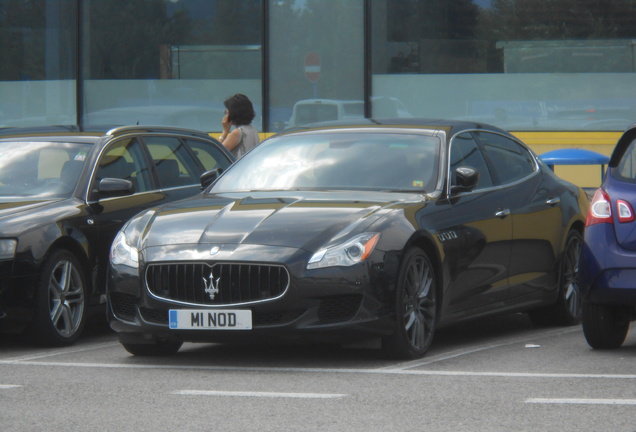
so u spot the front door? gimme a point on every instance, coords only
(480, 232)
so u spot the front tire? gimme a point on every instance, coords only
(416, 308)
(60, 302)
(604, 326)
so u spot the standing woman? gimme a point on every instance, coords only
(239, 112)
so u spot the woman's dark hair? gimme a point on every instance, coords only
(240, 110)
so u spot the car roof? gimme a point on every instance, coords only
(52, 129)
(450, 126)
(51, 133)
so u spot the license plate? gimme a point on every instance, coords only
(206, 319)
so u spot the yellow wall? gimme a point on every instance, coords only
(582, 175)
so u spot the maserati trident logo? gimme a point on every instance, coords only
(211, 285)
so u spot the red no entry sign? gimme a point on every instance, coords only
(312, 66)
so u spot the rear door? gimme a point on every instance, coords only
(535, 210)
(179, 163)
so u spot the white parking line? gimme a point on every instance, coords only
(8, 386)
(60, 351)
(583, 401)
(381, 371)
(538, 334)
(259, 394)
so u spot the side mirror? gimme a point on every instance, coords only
(466, 178)
(209, 177)
(114, 187)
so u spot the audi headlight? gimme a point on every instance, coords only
(346, 254)
(121, 253)
(7, 248)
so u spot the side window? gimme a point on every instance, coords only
(511, 160)
(174, 164)
(124, 159)
(626, 169)
(465, 152)
(208, 154)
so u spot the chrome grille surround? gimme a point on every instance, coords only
(189, 283)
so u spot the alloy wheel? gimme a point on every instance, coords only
(416, 308)
(419, 304)
(66, 298)
(570, 273)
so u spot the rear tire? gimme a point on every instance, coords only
(415, 306)
(567, 310)
(604, 326)
(156, 349)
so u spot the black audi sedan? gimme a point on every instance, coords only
(384, 229)
(64, 195)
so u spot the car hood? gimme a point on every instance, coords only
(307, 221)
(11, 210)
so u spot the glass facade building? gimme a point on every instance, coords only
(528, 66)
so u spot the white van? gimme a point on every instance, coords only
(319, 110)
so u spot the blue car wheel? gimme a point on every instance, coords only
(605, 326)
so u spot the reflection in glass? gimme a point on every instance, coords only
(40, 169)
(371, 161)
(177, 68)
(316, 61)
(521, 65)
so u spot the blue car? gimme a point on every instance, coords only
(607, 266)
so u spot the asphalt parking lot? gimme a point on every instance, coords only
(499, 374)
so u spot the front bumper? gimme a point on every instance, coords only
(340, 316)
(339, 303)
(16, 298)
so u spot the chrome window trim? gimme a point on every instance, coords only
(135, 132)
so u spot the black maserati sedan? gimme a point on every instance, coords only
(382, 229)
(64, 195)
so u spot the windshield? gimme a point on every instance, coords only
(338, 160)
(46, 169)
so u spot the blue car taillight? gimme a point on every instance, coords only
(625, 212)
(600, 210)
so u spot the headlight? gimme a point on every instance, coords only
(7, 248)
(121, 253)
(345, 254)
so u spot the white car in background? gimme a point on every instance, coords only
(319, 110)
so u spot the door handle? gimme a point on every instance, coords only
(502, 213)
(553, 201)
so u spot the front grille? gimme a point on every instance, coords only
(216, 284)
(123, 306)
